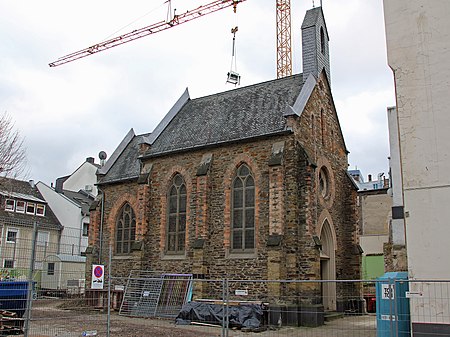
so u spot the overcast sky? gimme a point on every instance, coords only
(76, 110)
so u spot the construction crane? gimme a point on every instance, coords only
(284, 53)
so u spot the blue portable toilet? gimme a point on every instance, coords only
(393, 315)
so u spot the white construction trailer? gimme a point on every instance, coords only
(64, 273)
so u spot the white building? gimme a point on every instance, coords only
(418, 47)
(84, 178)
(370, 184)
(397, 259)
(70, 199)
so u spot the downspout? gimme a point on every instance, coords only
(101, 225)
(59, 240)
(60, 267)
(81, 231)
(2, 242)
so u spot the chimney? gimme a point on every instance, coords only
(90, 160)
(31, 182)
(370, 177)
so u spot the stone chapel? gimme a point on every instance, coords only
(250, 183)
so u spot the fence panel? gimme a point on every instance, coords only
(149, 310)
(306, 308)
(429, 302)
(269, 308)
(53, 302)
(164, 304)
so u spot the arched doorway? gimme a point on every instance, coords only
(328, 267)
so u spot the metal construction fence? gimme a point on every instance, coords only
(44, 293)
(164, 304)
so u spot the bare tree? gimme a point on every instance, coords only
(12, 151)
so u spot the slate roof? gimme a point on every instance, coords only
(311, 17)
(82, 198)
(127, 165)
(236, 115)
(22, 190)
(230, 116)
(21, 196)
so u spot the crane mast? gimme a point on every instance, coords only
(283, 15)
(284, 51)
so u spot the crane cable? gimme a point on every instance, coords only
(233, 75)
(233, 50)
(135, 20)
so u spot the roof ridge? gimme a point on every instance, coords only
(249, 86)
(117, 152)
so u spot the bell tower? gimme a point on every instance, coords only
(315, 49)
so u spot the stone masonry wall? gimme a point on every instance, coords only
(287, 211)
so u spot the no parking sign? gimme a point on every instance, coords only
(98, 276)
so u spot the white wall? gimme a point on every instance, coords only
(69, 215)
(397, 225)
(373, 244)
(418, 44)
(84, 175)
(418, 40)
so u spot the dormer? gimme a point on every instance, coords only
(23, 203)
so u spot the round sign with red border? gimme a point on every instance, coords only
(98, 271)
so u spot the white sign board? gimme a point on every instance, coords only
(412, 294)
(241, 292)
(98, 276)
(387, 292)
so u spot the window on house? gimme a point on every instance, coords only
(51, 268)
(42, 238)
(31, 207)
(20, 206)
(10, 205)
(125, 229)
(11, 235)
(176, 220)
(8, 264)
(85, 229)
(40, 209)
(243, 211)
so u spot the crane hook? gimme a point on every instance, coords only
(233, 76)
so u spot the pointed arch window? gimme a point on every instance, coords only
(243, 211)
(125, 229)
(176, 221)
(322, 126)
(322, 40)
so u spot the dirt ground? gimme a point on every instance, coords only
(61, 318)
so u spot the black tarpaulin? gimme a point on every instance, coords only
(239, 316)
